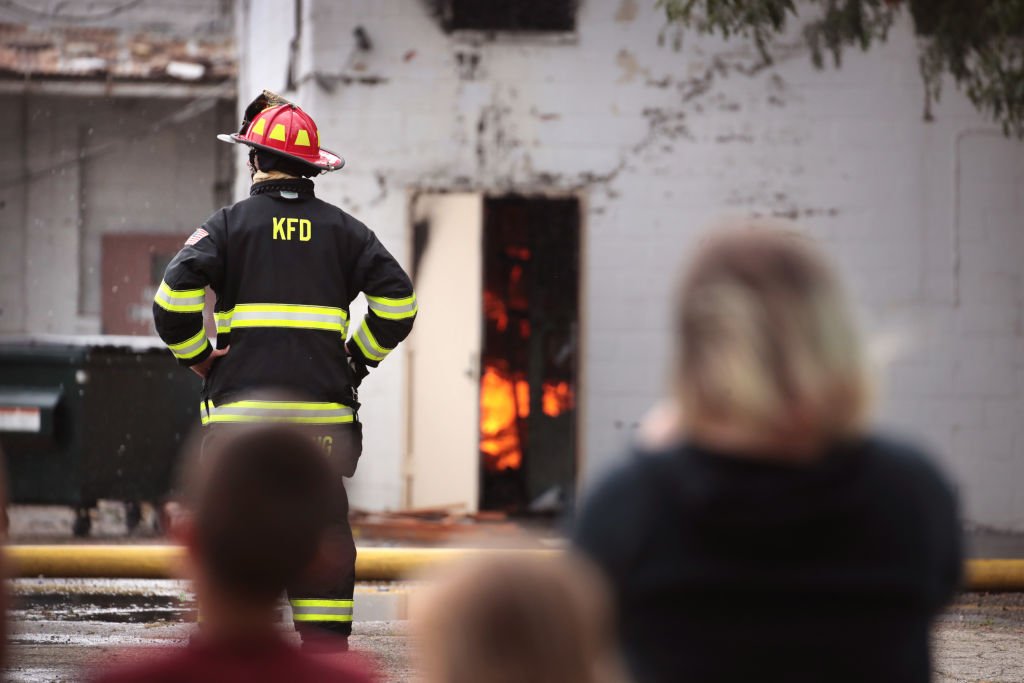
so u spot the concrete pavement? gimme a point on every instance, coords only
(62, 627)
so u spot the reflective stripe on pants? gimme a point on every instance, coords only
(304, 609)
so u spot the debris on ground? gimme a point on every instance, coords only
(433, 525)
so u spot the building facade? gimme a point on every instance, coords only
(473, 138)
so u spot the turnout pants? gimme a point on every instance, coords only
(321, 601)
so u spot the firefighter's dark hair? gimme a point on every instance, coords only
(261, 502)
(268, 161)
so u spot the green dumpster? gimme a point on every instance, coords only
(89, 418)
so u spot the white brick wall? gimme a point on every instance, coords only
(54, 207)
(659, 142)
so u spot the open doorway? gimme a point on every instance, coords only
(528, 374)
(493, 359)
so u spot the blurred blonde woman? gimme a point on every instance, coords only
(771, 535)
(518, 620)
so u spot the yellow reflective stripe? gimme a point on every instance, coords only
(395, 316)
(278, 411)
(296, 419)
(191, 347)
(181, 293)
(393, 309)
(179, 300)
(322, 610)
(366, 341)
(289, 308)
(223, 319)
(322, 603)
(405, 301)
(271, 322)
(179, 308)
(322, 617)
(284, 405)
(362, 347)
(296, 316)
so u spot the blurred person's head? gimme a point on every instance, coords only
(258, 505)
(769, 359)
(507, 620)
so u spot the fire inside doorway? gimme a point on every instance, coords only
(528, 373)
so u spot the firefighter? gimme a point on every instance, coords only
(285, 267)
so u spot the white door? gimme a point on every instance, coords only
(444, 353)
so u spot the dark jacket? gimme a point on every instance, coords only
(285, 267)
(255, 660)
(729, 569)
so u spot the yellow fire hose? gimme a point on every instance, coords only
(164, 561)
(373, 564)
(994, 575)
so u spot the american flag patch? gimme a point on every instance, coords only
(196, 236)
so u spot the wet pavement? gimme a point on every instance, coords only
(61, 628)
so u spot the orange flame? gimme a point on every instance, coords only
(557, 398)
(503, 400)
(495, 310)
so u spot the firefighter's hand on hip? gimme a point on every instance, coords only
(356, 367)
(359, 371)
(203, 369)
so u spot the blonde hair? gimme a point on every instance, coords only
(511, 619)
(769, 356)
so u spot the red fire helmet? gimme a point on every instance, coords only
(286, 130)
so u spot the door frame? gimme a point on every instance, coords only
(583, 318)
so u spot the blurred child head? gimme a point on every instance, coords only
(769, 353)
(509, 619)
(259, 502)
